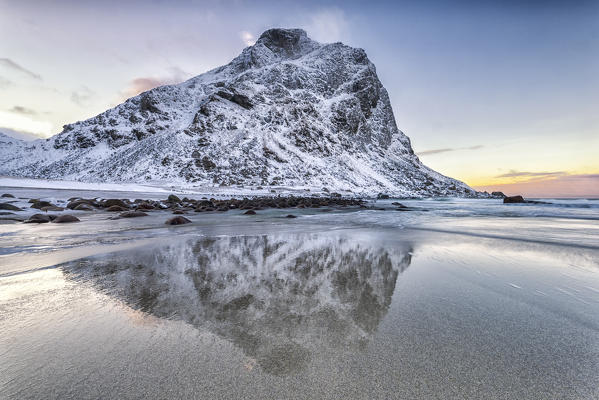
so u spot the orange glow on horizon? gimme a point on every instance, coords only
(566, 185)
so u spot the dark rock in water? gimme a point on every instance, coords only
(66, 218)
(498, 194)
(173, 199)
(145, 206)
(31, 201)
(42, 203)
(116, 208)
(75, 203)
(115, 202)
(514, 199)
(52, 208)
(40, 218)
(250, 212)
(520, 199)
(132, 214)
(399, 205)
(382, 196)
(177, 221)
(9, 207)
(290, 216)
(8, 195)
(6, 213)
(83, 207)
(178, 212)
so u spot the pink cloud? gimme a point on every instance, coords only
(139, 85)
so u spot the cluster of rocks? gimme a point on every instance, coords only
(140, 207)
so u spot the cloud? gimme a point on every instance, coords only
(139, 85)
(247, 38)
(25, 124)
(328, 25)
(445, 150)
(82, 96)
(10, 64)
(23, 110)
(518, 174)
(5, 83)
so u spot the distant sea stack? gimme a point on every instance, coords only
(288, 111)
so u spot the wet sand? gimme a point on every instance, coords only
(322, 306)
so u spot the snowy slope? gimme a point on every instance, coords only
(287, 111)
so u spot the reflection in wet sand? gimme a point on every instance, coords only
(281, 299)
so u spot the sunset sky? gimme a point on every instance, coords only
(504, 97)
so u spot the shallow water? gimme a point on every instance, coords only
(461, 299)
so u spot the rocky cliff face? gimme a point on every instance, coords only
(288, 111)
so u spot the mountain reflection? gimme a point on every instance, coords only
(281, 299)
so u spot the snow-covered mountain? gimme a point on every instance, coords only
(288, 111)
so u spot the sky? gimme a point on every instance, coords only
(502, 95)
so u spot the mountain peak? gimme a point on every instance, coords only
(285, 43)
(283, 35)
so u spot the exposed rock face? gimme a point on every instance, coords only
(287, 111)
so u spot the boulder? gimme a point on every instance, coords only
(9, 207)
(290, 216)
(73, 204)
(40, 218)
(83, 207)
(115, 202)
(65, 218)
(41, 203)
(250, 212)
(52, 208)
(173, 199)
(178, 212)
(177, 221)
(513, 199)
(132, 214)
(8, 195)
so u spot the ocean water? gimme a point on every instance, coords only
(455, 299)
